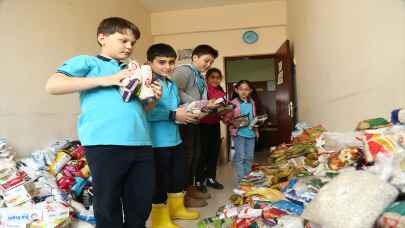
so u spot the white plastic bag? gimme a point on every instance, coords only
(336, 141)
(354, 199)
(289, 221)
(383, 166)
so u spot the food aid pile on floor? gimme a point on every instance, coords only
(324, 179)
(46, 189)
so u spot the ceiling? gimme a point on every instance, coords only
(170, 5)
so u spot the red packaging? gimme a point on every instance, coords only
(16, 181)
(255, 167)
(71, 171)
(77, 153)
(65, 182)
(270, 213)
(73, 168)
(244, 223)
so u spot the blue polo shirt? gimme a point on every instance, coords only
(165, 132)
(246, 108)
(105, 119)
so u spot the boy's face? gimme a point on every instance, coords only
(163, 66)
(203, 62)
(118, 45)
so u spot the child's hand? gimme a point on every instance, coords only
(116, 79)
(202, 115)
(211, 104)
(157, 90)
(185, 117)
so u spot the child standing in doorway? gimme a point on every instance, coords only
(243, 136)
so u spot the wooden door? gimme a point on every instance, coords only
(285, 96)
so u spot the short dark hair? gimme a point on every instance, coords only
(205, 49)
(112, 25)
(211, 71)
(160, 50)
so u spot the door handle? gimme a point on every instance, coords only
(291, 109)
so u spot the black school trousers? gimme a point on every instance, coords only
(210, 147)
(191, 137)
(170, 164)
(123, 179)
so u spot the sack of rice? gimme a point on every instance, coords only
(354, 199)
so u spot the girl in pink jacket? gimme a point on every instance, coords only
(243, 136)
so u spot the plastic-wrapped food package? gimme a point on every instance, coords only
(383, 166)
(273, 214)
(83, 214)
(228, 211)
(378, 144)
(16, 196)
(6, 152)
(247, 212)
(374, 123)
(346, 157)
(133, 83)
(393, 216)
(398, 116)
(354, 199)
(290, 222)
(137, 84)
(336, 141)
(266, 193)
(146, 95)
(289, 207)
(215, 222)
(258, 121)
(18, 216)
(53, 214)
(398, 172)
(60, 161)
(6, 155)
(196, 107)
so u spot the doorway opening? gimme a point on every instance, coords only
(272, 77)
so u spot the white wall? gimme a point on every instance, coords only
(350, 59)
(37, 36)
(222, 27)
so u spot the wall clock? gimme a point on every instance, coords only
(250, 37)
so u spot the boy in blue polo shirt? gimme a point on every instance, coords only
(170, 162)
(115, 134)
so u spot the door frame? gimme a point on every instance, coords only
(284, 55)
(228, 89)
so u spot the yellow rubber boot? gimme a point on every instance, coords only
(161, 217)
(177, 210)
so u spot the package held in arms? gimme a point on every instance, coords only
(137, 84)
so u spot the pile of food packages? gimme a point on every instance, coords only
(324, 179)
(47, 189)
(52, 187)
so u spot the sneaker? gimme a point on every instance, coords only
(201, 187)
(214, 184)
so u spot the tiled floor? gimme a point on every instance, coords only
(219, 197)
